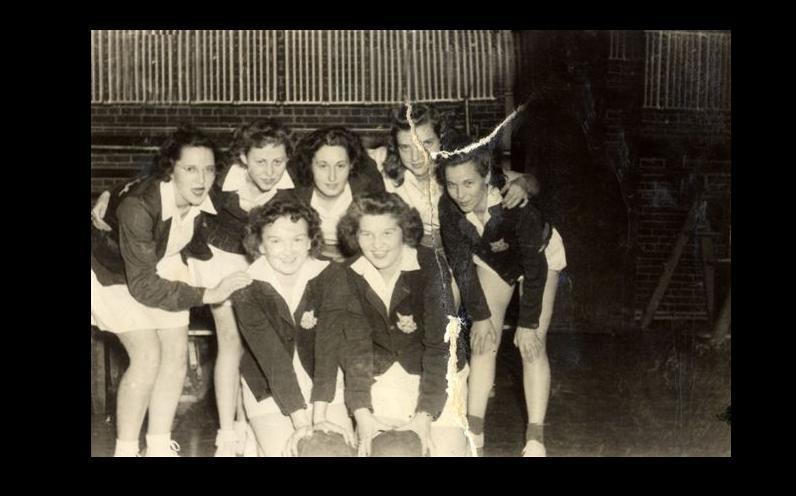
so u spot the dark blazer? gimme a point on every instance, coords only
(513, 245)
(226, 230)
(375, 342)
(271, 334)
(129, 253)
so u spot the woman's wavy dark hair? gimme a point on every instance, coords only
(267, 214)
(258, 134)
(421, 114)
(378, 204)
(171, 150)
(300, 163)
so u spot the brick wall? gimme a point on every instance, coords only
(124, 137)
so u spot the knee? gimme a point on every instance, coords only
(175, 357)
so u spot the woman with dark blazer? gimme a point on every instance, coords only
(142, 289)
(257, 173)
(294, 298)
(491, 249)
(398, 360)
(331, 167)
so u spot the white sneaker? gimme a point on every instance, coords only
(534, 449)
(226, 444)
(173, 449)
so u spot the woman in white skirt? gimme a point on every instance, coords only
(141, 287)
(294, 298)
(492, 250)
(259, 153)
(400, 372)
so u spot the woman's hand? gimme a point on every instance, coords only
(518, 189)
(482, 337)
(420, 425)
(531, 343)
(99, 210)
(227, 286)
(291, 447)
(330, 427)
(302, 428)
(367, 427)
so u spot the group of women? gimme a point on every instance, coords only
(337, 277)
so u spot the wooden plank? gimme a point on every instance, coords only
(671, 264)
(98, 383)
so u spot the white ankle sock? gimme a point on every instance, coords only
(126, 448)
(158, 444)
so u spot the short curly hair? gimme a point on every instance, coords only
(378, 204)
(258, 134)
(422, 113)
(267, 214)
(186, 135)
(300, 163)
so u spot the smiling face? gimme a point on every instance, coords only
(286, 244)
(330, 169)
(381, 239)
(265, 165)
(466, 187)
(413, 157)
(193, 175)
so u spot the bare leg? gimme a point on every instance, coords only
(227, 368)
(170, 379)
(482, 367)
(135, 388)
(536, 375)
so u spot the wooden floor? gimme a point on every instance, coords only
(658, 394)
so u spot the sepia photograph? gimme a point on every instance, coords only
(410, 243)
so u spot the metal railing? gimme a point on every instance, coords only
(687, 70)
(295, 66)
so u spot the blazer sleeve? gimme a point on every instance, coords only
(138, 249)
(357, 352)
(460, 256)
(269, 351)
(529, 231)
(329, 334)
(438, 298)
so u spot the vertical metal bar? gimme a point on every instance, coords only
(231, 64)
(668, 36)
(163, 59)
(311, 82)
(299, 84)
(395, 66)
(405, 67)
(124, 63)
(353, 65)
(117, 65)
(170, 68)
(491, 53)
(699, 71)
(388, 70)
(93, 70)
(349, 64)
(425, 68)
(251, 68)
(470, 68)
(658, 78)
(363, 65)
(479, 61)
(728, 75)
(329, 65)
(379, 63)
(100, 44)
(458, 65)
(434, 47)
(415, 70)
(274, 65)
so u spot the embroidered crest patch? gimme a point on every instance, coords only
(308, 320)
(406, 323)
(498, 246)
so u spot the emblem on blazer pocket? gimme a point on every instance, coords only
(308, 320)
(499, 246)
(406, 323)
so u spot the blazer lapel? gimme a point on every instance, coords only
(401, 291)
